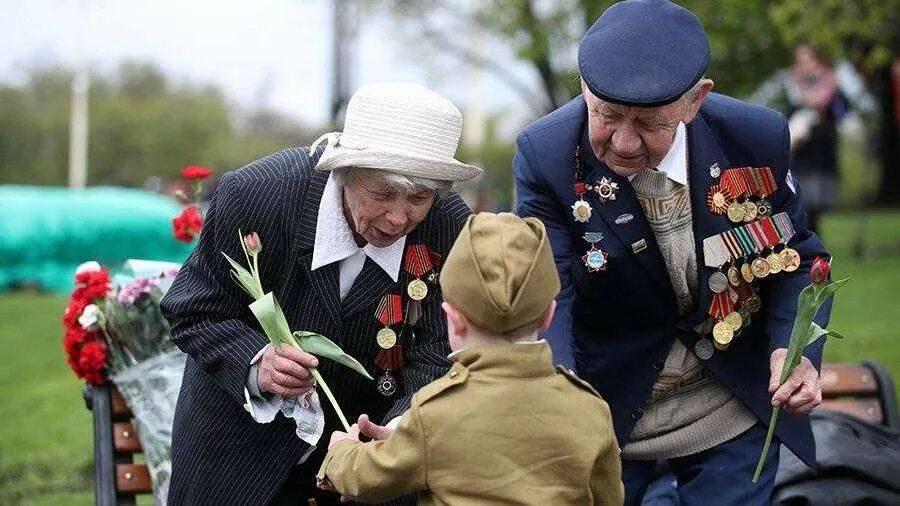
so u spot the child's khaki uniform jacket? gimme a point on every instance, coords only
(501, 427)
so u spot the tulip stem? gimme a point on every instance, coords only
(321, 382)
(765, 452)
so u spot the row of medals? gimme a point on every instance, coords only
(725, 330)
(417, 291)
(386, 337)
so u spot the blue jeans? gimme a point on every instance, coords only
(721, 475)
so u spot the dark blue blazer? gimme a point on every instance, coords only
(616, 327)
(220, 455)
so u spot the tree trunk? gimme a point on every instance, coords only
(889, 139)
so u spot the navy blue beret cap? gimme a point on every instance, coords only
(644, 53)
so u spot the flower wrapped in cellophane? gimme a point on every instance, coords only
(115, 331)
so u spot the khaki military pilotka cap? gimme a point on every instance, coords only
(500, 272)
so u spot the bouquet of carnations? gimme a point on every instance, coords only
(114, 330)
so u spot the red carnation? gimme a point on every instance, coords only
(195, 173)
(818, 273)
(95, 284)
(92, 361)
(188, 224)
(73, 311)
(75, 337)
(72, 360)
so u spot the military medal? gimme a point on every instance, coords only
(749, 211)
(747, 273)
(581, 210)
(703, 348)
(386, 338)
(390, 358)
(734, 320)
(387, 384)
(760, 268)
(717, 199)
(388, 313)
(736, 212)
(766, 186)
(595, 258)
(776, 264)
(722, 335)
(754, 303)
(417, 289)
(734, 276)
(606, 189)
(417, 262)
(791, 259)
(718, 283)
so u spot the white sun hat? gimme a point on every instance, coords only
(402, 128)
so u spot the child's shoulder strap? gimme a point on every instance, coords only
(572, 377)
(457, 375)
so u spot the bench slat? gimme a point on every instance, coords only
(119, 408)
(847, 379)
(133, 479)
(125, 438)
(864, 409)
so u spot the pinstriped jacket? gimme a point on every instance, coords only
(220, 454)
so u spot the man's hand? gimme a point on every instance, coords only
(338, 436)
(371, 429)
(284, 371)
(802, 391)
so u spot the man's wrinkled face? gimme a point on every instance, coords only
(381, 214)
(628, 138)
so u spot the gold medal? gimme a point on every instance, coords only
(736, 212)
(722, 334)
(754, 303)
(749, 211)
(760, 268)
(791, 259)
(747, 273)
(386, 338)
(734, 320)
(776, 264)
(734, 276)
(417, 289)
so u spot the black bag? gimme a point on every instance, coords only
(859, 464)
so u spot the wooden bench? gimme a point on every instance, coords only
(863, 390)
(117, 478)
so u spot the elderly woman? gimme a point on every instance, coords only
(352, 236)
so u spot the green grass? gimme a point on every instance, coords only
(865, 309)
(45, 430)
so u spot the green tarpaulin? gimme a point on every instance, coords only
(45, 232)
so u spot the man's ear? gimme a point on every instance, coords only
(457, 323)
(697, 98)
(547, 319)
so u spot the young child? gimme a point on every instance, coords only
(502, 426)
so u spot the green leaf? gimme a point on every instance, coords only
(245, 279)
(271, 318)
(815, 332)
(835, 333)
(320, 345)
(829, 290)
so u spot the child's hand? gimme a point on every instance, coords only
(338, 436)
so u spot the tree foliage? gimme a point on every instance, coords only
(750, 39)
(141, 125)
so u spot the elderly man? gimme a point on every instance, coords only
(352, 241)
(678, 234)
